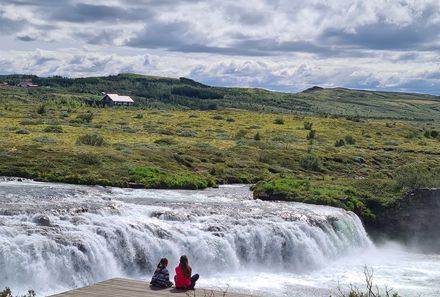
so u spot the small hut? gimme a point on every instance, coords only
(115, 99)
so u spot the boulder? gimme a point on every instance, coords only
(41, 220)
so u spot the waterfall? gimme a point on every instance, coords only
(54, 237)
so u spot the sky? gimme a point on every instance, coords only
(284, 45)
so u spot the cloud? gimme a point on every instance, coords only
(384, 36)
(7, 25)
(276, 44)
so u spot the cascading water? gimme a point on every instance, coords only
(55, 237)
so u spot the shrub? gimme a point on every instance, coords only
(91, 139)
(279, 121)
(84, 118)
(217, 117)
(241, 134)
(41, 109)
(311, 135)
(165, 141)
(231, 120)
(371, 290)
(308, 125)
(434, 133)
(139, 116)
(45, 139)
(310, 162)
(54, 129)
(349, 140)
(417, 175)
(257, 136)
(185, 133)
(339, 143)
(22, 131)
(31, 122)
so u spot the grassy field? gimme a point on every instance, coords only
(359, 164)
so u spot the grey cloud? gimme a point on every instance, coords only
(247, 17)
(165, 35)
(25, 38)
(8, 26)
(385, 36)
(91, 13)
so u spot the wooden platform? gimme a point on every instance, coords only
(121, 287)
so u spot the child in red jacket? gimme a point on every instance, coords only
(183, 278)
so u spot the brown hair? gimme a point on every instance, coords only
(163, 263)
(186, 269)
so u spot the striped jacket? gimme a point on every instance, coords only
(161, 278)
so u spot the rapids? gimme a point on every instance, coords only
(55, 237)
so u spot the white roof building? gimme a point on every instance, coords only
(117, 98)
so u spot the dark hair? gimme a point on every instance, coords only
(186, 269)
(163, 263)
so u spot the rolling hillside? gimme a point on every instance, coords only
(183, 93)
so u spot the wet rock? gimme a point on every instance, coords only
(136, 185)
(413, 220)
(41, 220)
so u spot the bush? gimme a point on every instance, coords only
(231, 120)
(22, 131)
(339, 143)
(308, 125)
(431, 134)
(257, 136)
(165, 141)
(84, 118)
(371, 290)
(185, 133)
(54, 129)
(217, 117)
(139, 116)
(417, 175)
(91, 139)
(349, 140)
(41, 109)
(311, 135)
(46, 140)
(310, 162)
(279, 121)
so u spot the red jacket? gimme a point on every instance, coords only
(181, 280)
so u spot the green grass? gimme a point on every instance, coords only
(181, 148)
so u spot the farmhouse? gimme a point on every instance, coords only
(115, 99)
(26, 84)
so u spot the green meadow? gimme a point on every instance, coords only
(358, 163)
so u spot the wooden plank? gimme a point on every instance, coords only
(120, 287)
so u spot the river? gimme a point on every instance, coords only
(55, 237)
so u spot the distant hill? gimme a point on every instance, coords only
(184, 93)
